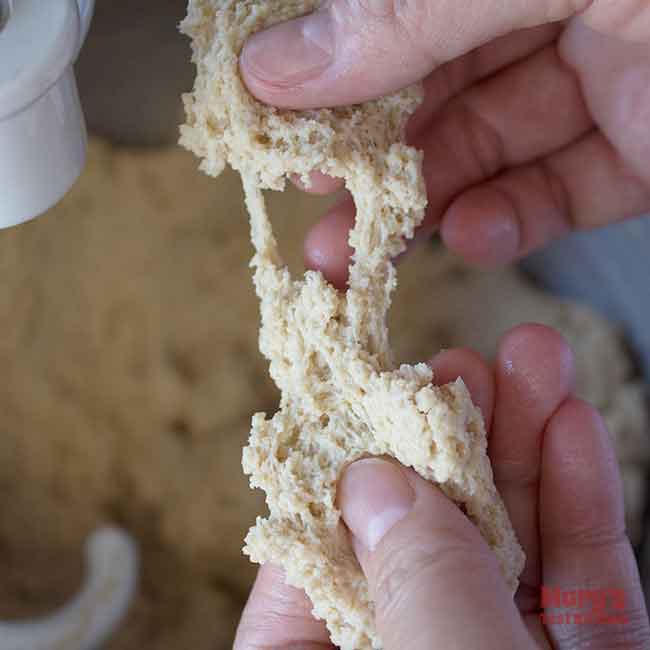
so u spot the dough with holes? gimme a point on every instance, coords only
(342, 396)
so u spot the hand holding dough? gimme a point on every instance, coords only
(342, 396)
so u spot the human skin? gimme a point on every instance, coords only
(536, 120)
(435, 581)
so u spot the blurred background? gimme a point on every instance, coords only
(128, 349)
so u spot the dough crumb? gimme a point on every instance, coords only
(342, 395)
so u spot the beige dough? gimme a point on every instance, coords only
(130, 370)
(342, 396)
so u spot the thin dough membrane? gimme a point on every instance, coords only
(342, 396)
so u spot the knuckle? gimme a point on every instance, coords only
(598, 532)
(415, 20)
(483, 143)
(402, 22)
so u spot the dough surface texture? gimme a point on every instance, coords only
(342, 397)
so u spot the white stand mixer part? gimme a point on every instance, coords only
(4, 12)
(90, 618)
(42, 129)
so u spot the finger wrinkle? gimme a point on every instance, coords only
(483, 141)
(605, 535)
(633, 635)
(558, 192)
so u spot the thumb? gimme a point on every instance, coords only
(350, 51)
(434, 581)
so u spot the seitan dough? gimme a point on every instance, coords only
(342, 397)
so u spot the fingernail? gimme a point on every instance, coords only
(291, 53)
(374, 495)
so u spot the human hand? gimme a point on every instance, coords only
(536, 119)
(435, 582)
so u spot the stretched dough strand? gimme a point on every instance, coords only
(343, 398)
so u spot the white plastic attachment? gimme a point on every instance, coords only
(88, 620)
(86, 9)
(42, 129)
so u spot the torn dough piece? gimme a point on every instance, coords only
(342, 396)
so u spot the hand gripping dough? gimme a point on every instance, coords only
(342, 396)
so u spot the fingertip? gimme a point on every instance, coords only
(538, 355)
(581, 469)
(481, 226)
(577, 436)
(577, 410)
(449, 365)
(326, 245)
(534, 375)
(415, 543)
